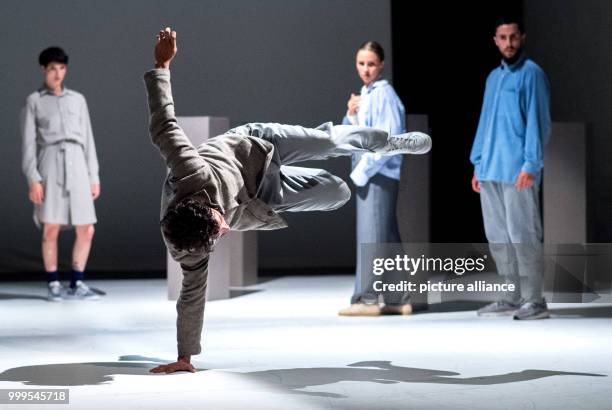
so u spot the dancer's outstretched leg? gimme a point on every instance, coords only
(295, 143)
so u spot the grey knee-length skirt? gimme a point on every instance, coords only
(66, 186)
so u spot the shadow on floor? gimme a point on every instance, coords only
(81, 374)
(454, 306)
(11, 296)
(289, 380)
(577, 312)
(583, 311)
(384, 372)
(237, 292)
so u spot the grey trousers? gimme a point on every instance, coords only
(513, 228)
(377, 224)
(310, 189)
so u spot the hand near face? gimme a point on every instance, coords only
(36, 194)
(353, 104)
(165, 48)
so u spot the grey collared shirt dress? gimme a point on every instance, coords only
(58, 150)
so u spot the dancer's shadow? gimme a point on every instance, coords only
(11, 296)
(383, 372)
(81, 374)
(289, 380)
(454, 306)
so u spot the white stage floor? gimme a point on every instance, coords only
(284, 347)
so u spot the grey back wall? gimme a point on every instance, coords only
(570, 39)
(272, 60)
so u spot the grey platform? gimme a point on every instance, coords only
(234, 262)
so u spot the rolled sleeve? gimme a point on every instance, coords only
(389, 116)
(91, 155)
(190, 307)
(29, 144)
(531, 168)
(179, 153)
(537, 133)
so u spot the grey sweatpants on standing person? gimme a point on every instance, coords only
(295, 189)
(514, 230)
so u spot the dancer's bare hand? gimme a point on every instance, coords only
(36, 194)
(182, 365)
(353, 104)
(165, 48)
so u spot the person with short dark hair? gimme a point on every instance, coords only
(52, 55)
(60, 163)
(508, 157)
(241, 181)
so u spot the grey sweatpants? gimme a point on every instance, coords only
(514, 230)
(310, 189)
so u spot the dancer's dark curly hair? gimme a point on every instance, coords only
(190, 226)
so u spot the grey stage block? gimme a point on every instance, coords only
(413, 207)
(234, 261)
(565, 184)
(564, 193)
(243, 264)
(413, 202)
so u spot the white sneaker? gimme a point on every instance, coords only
(408, 143)
(82, 291)
(532, 311)
(54, 294)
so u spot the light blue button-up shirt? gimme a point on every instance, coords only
(381, 108)
(514, 124)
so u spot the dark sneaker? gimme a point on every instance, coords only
(54, 294)
(404, 310)
(532, 311)
(82, 291)
(408, 143)
(498, 309)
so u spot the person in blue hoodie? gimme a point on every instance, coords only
(508, 157)
(376, 178)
